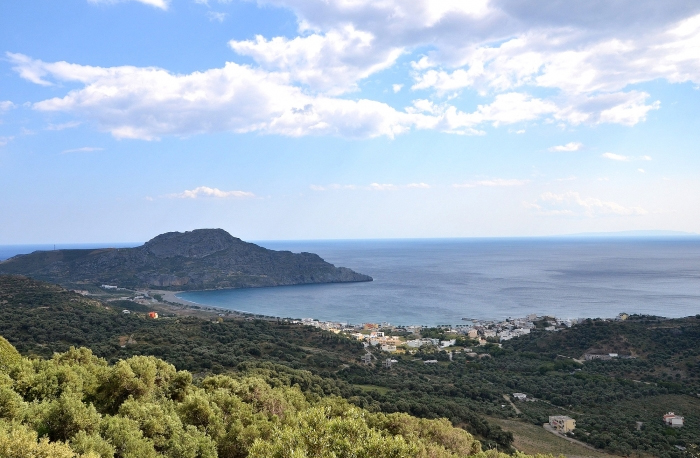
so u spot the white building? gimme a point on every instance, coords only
(673, 420)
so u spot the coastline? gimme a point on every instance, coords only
(171, 296)
(184, 307)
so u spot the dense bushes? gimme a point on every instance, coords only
(76, 405)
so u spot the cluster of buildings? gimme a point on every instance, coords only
(510, 327)
(480, 331)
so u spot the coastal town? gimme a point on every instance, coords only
(392, 338)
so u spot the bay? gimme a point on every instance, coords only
(441, 281)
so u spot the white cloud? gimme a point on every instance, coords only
(615, 157)
(206, 2)
(630, 112)
(627, 108)
(571, 146)
(147, 103)
(575, 60)
(334, 186)
(370, 187)
(5, 140)
(641, 171)
(622, 158)
(214, 16)
(418, 186)
(63, 126)
(382, 187)
(569, 64)
(6, 105)
(508, 108)
(204, 191)
(514, 107)
(332, 62)
(587, 55)
(29, 69)
(162, 4)
(84, 149)
(498, 182)
(396, 87)
(573, 204)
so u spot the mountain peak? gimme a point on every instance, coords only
(191, 244)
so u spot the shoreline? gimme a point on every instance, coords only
(172, 298)
(171, 302)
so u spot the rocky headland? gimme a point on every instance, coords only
(193, 260)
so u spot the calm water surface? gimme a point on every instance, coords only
(441, 281)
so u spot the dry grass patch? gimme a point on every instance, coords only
(530, 438)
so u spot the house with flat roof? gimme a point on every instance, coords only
(673, 420)
(562, 423)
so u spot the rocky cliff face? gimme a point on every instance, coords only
(199, 259)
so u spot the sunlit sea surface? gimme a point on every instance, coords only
(434, 282)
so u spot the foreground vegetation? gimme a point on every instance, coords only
(75, 404)
(40, 319)
(618, 404)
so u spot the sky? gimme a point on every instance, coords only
(345, 119)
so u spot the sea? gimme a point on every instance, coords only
(453, 281)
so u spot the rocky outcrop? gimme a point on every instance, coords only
(199, 259)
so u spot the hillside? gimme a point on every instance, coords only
(199, 259)
(658, 349)
(40, 319)
(75, 405)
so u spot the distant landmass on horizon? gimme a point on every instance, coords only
(646, 233)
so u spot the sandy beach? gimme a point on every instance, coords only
(170, 296)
